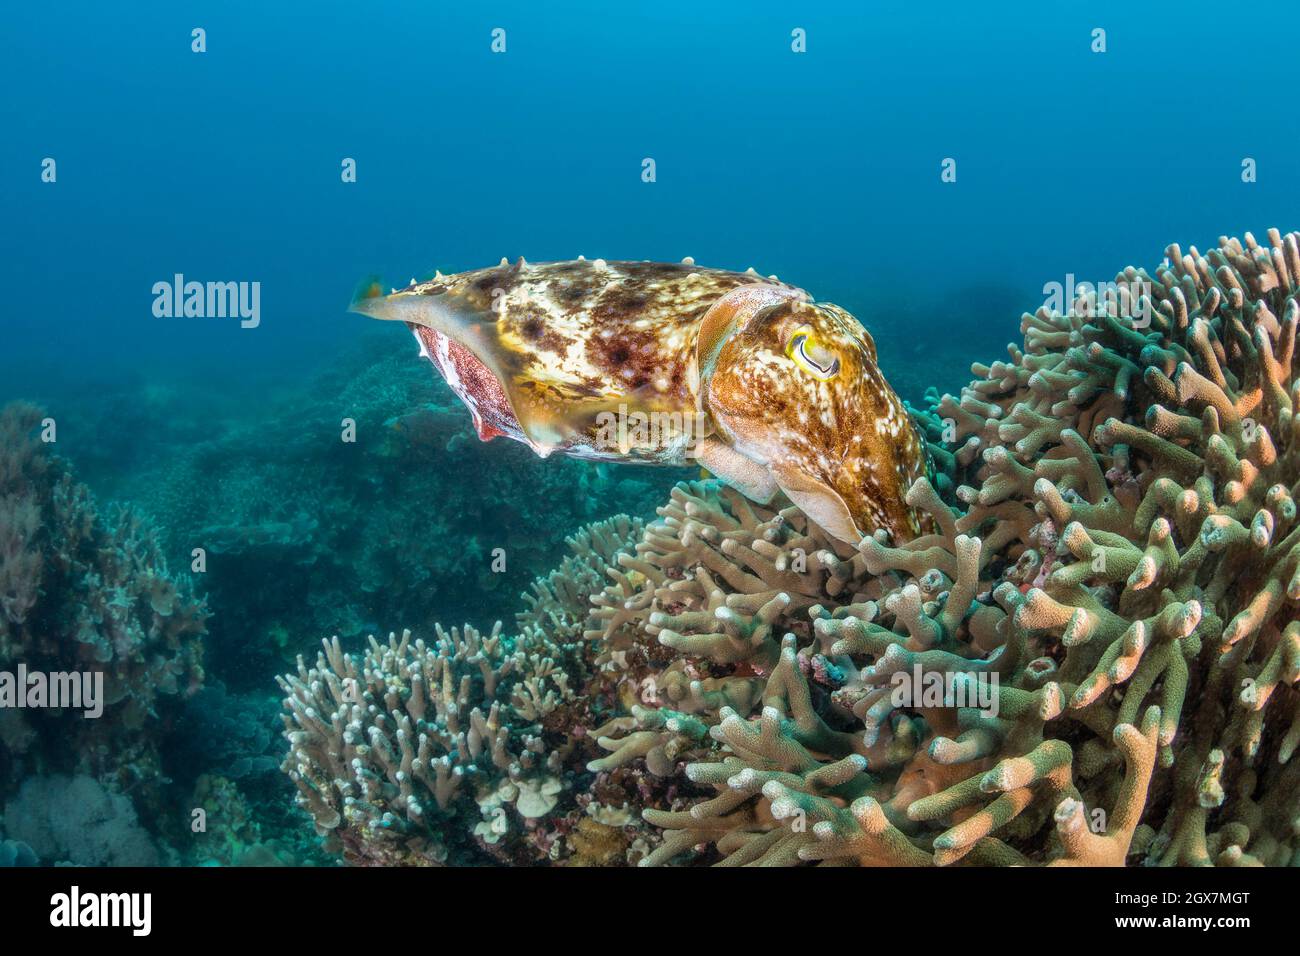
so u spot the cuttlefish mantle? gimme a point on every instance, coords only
(672, 363)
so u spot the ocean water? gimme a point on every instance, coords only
(824, 168)
(931, 169)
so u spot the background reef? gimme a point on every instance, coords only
(85, 590)
(307, 533)
(302, 533)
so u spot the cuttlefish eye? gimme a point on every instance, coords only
(807, 352)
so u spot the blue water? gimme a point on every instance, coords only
(822, 167)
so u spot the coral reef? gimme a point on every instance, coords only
(462, 749)
(381, 747)
(1106, 606)
(83, 586)
(85, 591)
(1090, 657)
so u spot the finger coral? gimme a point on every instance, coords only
(559, 603)
(1106, 602)
(385, 749)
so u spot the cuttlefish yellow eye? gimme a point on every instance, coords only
(807, 352)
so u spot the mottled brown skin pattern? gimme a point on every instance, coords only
(574, 338)
(628, 309)
(851, 432)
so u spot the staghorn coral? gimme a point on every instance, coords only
(692, 627)
(1107, 601)
(83, 590)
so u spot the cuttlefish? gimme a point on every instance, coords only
(671, 363)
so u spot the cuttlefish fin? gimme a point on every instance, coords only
(819, 501)
(744, 474)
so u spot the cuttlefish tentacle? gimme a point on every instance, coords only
(676, 364)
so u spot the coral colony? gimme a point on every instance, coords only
(1081, 648)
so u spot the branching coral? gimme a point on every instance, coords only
(420, 754)
(385, 750)
(559, 603)
(1108, 608)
